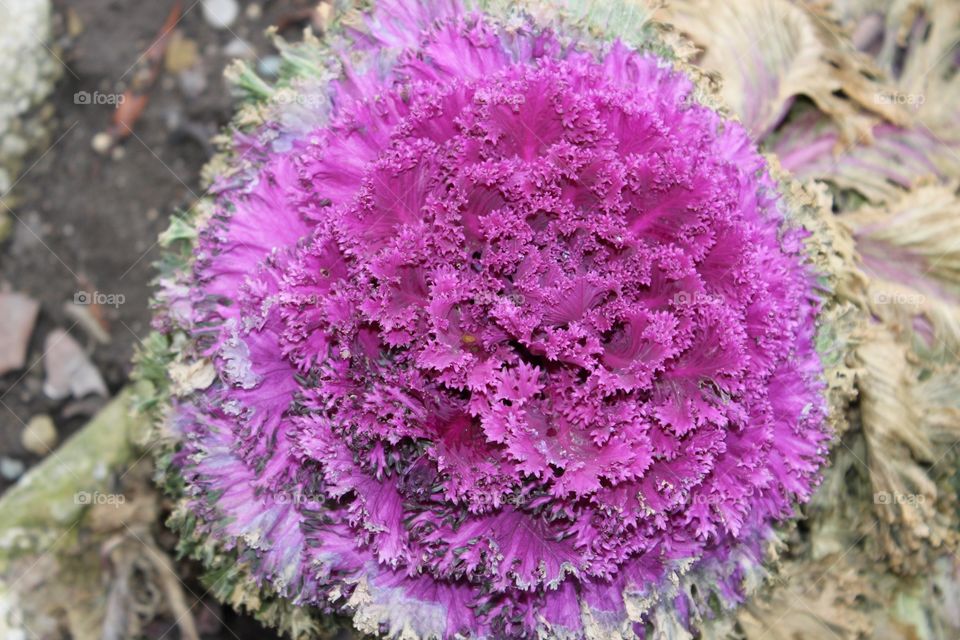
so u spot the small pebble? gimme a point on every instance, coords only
(102, 142)
(40, 435)
(193, 82)
(182, 53)
(220, 14)
(11, 468)
(270, 65)
(239, 48)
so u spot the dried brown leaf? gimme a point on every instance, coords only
(914, 240)
(768, 52)
(815, 600)
(915, 516)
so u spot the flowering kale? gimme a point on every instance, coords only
(511, 335)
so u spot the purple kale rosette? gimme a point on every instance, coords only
(496, 329)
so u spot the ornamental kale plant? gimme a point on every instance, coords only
(497, 328)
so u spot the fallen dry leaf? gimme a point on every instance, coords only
(18, 313)
(69, 370)
(156, 51)
(135, 98)
(128, 112)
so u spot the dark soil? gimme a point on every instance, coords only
(89, 222)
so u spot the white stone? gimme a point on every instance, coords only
(220, 14)
(11, 468)
(40, 435)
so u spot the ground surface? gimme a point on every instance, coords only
(88, 221)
